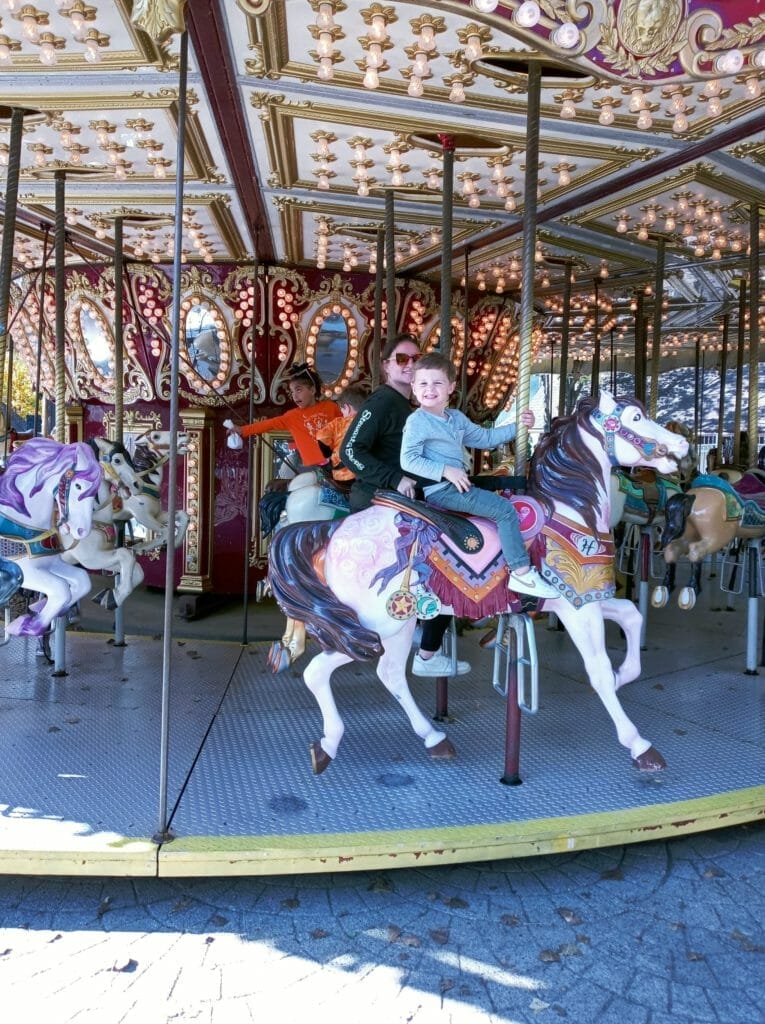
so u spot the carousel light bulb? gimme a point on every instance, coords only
(606, 115)
(528, 14)
(78, 21)
(568, 109)
(564, 178)
(715, 106)
(637, 99)
(378, 28)
(680, 124)
(397, 178)
(375, 57)
(363, 189)
(427, 40)
(485, 6)
(669, 224)
(566, 35)
(29, 27)
(712, 88)
(326, 71)
(473, 47)
(753, 87)
(371, 79)
(5, 53)
(433, 181)
(644, 121)
(92, 52)
(324, 46)
(415, 87)
(48, 54)
(729, 63)
(325, 16)
(420, 66)
(457, 92)
(474, 201)
(510, 204)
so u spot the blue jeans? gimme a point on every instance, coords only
(489, 505)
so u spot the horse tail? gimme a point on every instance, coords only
(303, 595)
(676, 513)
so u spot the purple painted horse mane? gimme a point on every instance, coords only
(49, 460)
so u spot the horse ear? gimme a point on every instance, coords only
(606, 402)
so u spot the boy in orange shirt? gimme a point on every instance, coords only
(331, 437)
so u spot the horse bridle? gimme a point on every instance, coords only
(613, 427)
(62, 495)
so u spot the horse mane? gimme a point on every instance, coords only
(50, 460)
(563, 469)
(143, 458)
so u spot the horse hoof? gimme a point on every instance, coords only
(26, 625)
(443, 751)
(650, 761)
(660, 597)
(279, 659)
(320, 759)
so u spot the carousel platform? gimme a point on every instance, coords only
(80, 759)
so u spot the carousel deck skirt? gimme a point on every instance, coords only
(80, 757)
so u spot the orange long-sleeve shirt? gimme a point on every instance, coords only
(333, 435)
(303, 425)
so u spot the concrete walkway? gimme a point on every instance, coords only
(652, 933)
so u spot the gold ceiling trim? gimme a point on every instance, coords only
(140, 98)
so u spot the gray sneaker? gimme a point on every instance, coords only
(438, 665)
(531, 583)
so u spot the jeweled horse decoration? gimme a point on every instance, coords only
(149, 458)
(98, 550)
(48, 489)
(351, 582)
(706, 519)
(311, 498)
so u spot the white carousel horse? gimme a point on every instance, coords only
(310, 499)
(347, 580)
(48, 489)
(97, 550)
(149, 458)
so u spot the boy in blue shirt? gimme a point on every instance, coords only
(432, 447)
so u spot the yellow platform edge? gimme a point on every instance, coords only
(194, 856)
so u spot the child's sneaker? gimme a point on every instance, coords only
(531, 583)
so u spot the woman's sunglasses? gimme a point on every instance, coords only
(402, 358)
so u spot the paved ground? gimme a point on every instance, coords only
(652, 933)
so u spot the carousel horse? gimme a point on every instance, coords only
(311, 498)
(149, 458)
(97, 551)
(48, 489)
(705, 520)
(351, 581)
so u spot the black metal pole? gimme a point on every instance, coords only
(379, 282)
(754, 331)
(447, 145)
(723, 382)
(595, 376)
(248, 530)
(658, 298)
(390, 263)
(564, 339)
(739, 371)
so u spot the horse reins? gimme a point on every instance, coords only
(613, 427)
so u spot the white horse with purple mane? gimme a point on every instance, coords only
(349, 580)
(48, 489)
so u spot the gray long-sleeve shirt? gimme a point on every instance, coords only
(430, 443)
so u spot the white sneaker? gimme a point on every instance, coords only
(438, 665)
(531, 583)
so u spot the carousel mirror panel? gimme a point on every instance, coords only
(206, 355)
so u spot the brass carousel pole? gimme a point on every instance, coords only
(526, 312)
(736, 457)
(16, 115)
(721, 404)
(754, 331)
(163, 833)
(250, 452)
(390, 263)
(564, 339)
(658, 298)
(639, 335)
(379, 282)
(447, 146)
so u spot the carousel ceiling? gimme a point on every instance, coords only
(303, 114)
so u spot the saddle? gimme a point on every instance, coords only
(457, 527)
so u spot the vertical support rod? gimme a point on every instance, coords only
(640, 374)
(564, 338)
(526, 313)
(721, 404)
(390, 263)
(445, 341)
(512, 773)
(377, 344)
(465, 334)
(9, 233)
(39, 427)
(696, 388)
(163, 832)
(658, 298)
(613, 363)
(595, 374)
(739, 372)
(119, 392)
(250, 454)
(754, 331)
(60, 299)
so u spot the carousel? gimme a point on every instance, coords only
(203, 201)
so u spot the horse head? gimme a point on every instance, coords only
(632, 438)
(76, 490)
(117, 465)
(158, 442)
